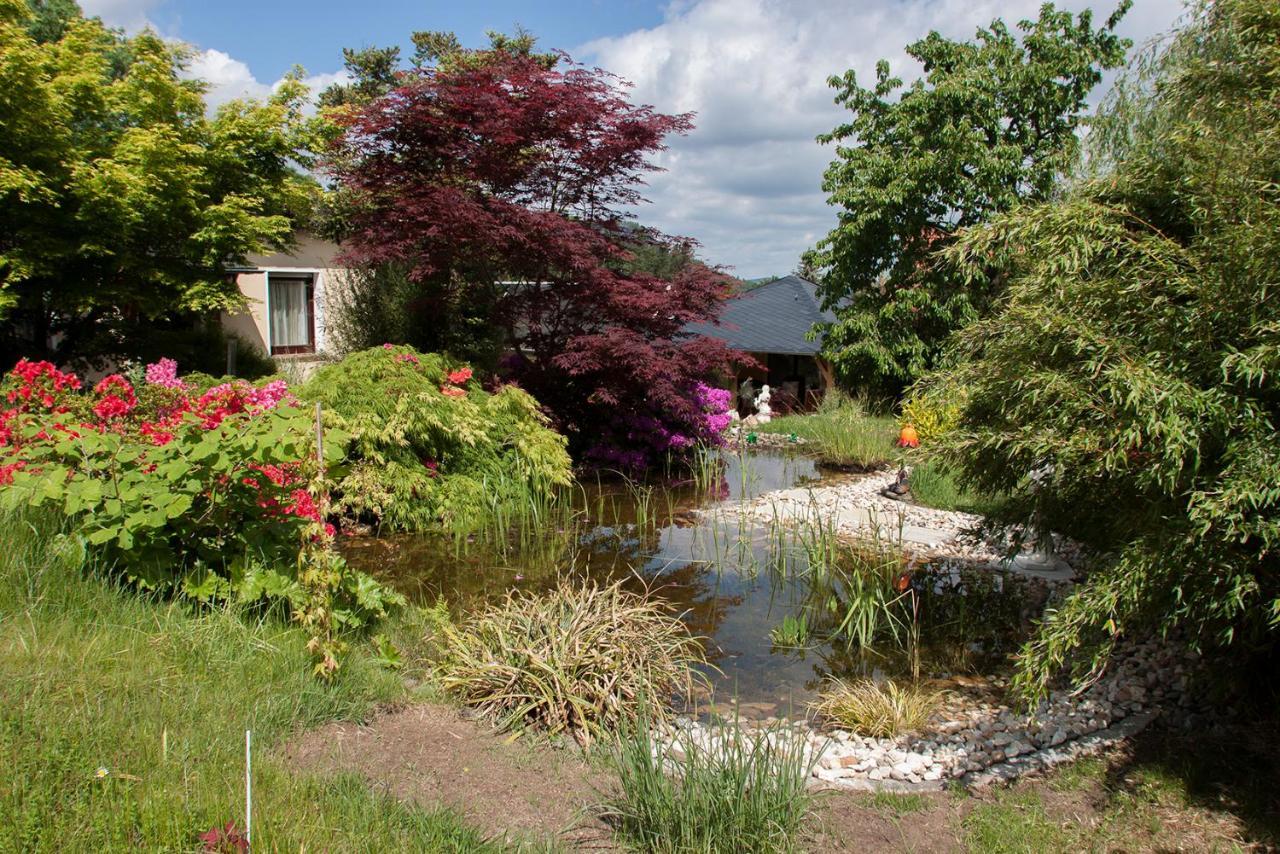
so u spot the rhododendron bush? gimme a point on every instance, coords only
(429, 448)
(211, 491)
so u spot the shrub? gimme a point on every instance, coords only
(878, 709)
(210, 493)
(428, 447)
(933, 413)
(578, 659)
(737, 791)
(1126, 393)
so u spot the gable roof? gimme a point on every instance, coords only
(773, 318)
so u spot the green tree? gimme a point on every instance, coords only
(1127, 391)
(991, 124)
(121, 199)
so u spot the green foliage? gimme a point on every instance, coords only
(577, 660)
(992, 124)
(877, 709)
(744, 793)
(122, 198)
(426, 451)
(153, 522)
(1126, 393)
(160, 694)
(841, 433)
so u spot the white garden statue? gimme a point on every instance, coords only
(763, 412)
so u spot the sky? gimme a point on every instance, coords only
(746, 182)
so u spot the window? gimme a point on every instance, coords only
(293, 314)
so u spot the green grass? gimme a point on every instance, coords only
(841, 433)
(1014, 823)
(933, 485)
(746, 794)
(897, 804)
(93, 676)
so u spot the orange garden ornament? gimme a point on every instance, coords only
(908, 438)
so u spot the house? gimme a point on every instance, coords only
(289, 296)
(771, 323)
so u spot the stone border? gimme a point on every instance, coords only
(979, 744)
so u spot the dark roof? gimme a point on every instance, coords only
(773, 318)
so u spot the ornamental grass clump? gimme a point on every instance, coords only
(575, 660)
(877, 709)
(731, 790)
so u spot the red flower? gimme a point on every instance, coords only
(460, 376)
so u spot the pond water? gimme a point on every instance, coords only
(739, 584)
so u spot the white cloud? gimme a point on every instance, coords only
(229, 78)
(132, 15)
(747, 181)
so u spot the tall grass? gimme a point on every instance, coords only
(841, 433)
(739, 791)
(934, 485)
(92, 676)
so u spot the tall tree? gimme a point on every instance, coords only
(495, 178)
(1126, 393)
(120, 200)
(991, 124)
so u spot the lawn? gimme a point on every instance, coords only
(122, 722)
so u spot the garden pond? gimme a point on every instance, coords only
(775, 605)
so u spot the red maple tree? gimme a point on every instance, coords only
(497, 179)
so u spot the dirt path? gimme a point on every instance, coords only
(429, 755)
(1150, 800)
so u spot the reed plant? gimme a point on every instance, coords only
(727, 790)
(841, 433)
(576, 660)
(878, 709)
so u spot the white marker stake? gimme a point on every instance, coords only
(248, 789)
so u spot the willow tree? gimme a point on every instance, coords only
(1127, 392)
(992, 123)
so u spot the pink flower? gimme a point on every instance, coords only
(164, 373)
(460, 376)
(453, 391)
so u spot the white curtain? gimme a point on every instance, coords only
(289, 323)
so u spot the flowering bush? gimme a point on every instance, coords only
(211, 493)
(635, 440)
(428, 447)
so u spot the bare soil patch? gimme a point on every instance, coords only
(430, 755)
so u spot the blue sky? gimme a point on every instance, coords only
(746, 183)
(270, 37)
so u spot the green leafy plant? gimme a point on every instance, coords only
(428, 448)
(791, 633)
(575, 660)
(736, 791)
(880, 709)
